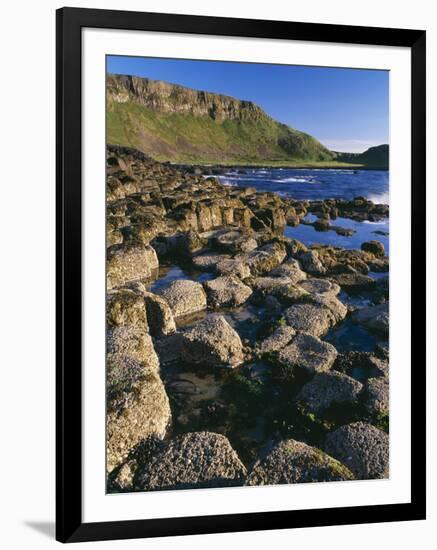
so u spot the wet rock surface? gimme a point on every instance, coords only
(236, 355)
(374, 318)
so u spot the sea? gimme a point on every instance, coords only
(320, 184)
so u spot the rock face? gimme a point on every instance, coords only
(131, 342)
(290, 270)
(159, 315)
(125, 308)
(130, 263)
(375, 247)
(276, 341)
(181, 244)
(311, 263)
(137, 403)
(308, 353)
(361, 364)
(184, 297)
(233, 267)
(383, 350)
(322, 225)
(377, 395)
(265, 258)
(354, 281)
(194, 460)
(310, 318)
(320, 286)
(327, 388)
(336, 308)
(138, 406)
(375, 318)
(212, 342)
(209, 260)
(362, 448)
(164, 97)
(281, 288)
(227, 291)
(235, 241)
(295, 462)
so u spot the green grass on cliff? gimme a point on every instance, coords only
(189, 139)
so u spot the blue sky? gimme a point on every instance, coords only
(346, 109)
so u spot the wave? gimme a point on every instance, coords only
(380, 198)
(296, 180)
(384, 221)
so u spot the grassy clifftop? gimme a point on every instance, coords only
(377, 157)
(170, 122)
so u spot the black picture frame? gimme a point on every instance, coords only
(69, 525)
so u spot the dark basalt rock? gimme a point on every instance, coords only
(327, 388)
(363, 448)
(361, 365)
(125, 308)
(344, 231)
(212, 343)
(375, 247)
(296, 462)
(311, 263)
(137, 406)
(158, 210)
(322, 225)
(359, 209)
(375, 318)
(308, 353)
(130, 263)
(193, 460)
(376, 399)
(184, 297)
(227, 291)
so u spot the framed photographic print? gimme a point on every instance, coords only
(240, 274)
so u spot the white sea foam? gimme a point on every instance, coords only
(380, 198)
(380, 222)
(307, 179)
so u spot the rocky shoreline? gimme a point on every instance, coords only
(225, 375)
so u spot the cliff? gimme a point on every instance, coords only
(172, 122)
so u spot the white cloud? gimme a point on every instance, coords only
(349, 145)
